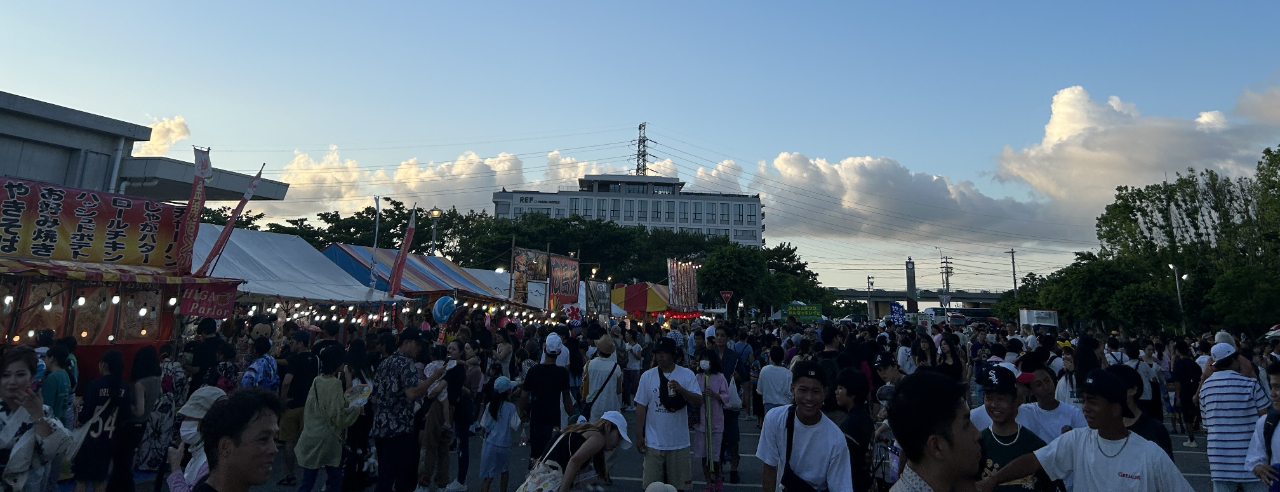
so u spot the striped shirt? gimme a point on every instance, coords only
(1230, 404)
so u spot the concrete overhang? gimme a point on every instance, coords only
(67, 116)
(162, 178)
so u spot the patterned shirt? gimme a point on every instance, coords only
(910, 482)
(262, 373)
(1230, 404)
(392, 409)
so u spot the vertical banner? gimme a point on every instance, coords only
(397, 268)
(682, 278)
(598, 298)
(527, 265)
(563, 279)
(191, 218)
(231, 225)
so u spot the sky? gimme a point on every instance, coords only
(873, 131)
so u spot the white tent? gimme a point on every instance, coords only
(281, 265)
(500, 282)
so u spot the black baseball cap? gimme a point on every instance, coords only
(808, 369)
(1109, 386)
(667, 345)
(302, 336)
(885, 359)
(999, 380)
(410, 334)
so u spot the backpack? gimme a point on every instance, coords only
(1269, 428)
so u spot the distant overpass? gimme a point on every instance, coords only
(880, 298)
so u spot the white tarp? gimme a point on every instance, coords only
(500, 282)
(281, 265)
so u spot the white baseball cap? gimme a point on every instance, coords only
(621, 422)
(554, 344)
(1222, 351)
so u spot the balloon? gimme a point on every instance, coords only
(443, 309)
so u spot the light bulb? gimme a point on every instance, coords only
(111, 338)
(173, 301)
(31, 333)
(143, 311)
(115, 299)
(297, 305)
(144, 333)
(333, 308)
(277, 305)
(80, 301)
(48, 305)
(84, 334)
(8, 300)
(16, 338)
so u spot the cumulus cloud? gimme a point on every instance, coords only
(1089, 148)
(723, 178)
(564, 170)
(1262, 107)
(329, 184)
(164, 133)
(468, 175)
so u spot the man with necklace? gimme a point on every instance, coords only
(1105, 456)
(1006, 440)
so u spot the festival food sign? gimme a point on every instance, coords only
(213, 300)
(682, 279)
(563, 279)
(45, 221)
(526, 265)
(598, 298)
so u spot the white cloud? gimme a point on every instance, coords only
(722, 178)
(565, 171)
(332, 183)
(453, 181)
(164, 133)
(1262, 107)
(1211, 121)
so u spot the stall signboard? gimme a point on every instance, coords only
(215, 300)
(526, 265)
(51, 222)
(598, 298)
(682, 278)
(563, 279)
(803, 313)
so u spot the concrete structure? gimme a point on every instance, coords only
(880, 298)
(651, 201)
(45, 142)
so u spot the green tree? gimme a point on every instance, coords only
(220, 216)
(1143, 306)
(732, 267)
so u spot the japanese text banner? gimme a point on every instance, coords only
(52, 222)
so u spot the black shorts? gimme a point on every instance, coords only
(93, 460)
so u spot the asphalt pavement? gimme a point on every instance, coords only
(1193, 462)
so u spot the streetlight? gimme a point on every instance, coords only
(871, 282)
(1178, 284)
(435, 213)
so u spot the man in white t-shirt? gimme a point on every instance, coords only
(1103, 457)
(662, 417)
(813, 450)
(1262, 458)
(774, 386)
(1048, 418)
(633, 353)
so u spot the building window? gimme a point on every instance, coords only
(501, 209)
(691, 230)
(629, 212)
(697, 212)
(519, 211)
(724, 214)
(636, 188)
(643, 214)
(573, 206)
(751, 214)
(657, 211)
(671, 211)
(559, 213)
(711, 213)
(587, 205)
(663, 189)
(600, 208)
(615, 188)
(719, 232)
(615, 210)
(746, 234)
(684, 212)
(737, 214)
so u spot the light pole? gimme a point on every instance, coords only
(435, 213)
(1177, 282)
(871, 282)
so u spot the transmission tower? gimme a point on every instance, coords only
(1014, 264)
(946, 274)
(642, 153)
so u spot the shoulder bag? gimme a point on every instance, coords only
(790, 481)
(545, 476)
(584, 406)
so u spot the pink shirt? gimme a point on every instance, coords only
(720, 386)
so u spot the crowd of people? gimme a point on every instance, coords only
(838, 407)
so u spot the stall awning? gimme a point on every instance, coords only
(422, 274)
(101, 272)
(282, 265)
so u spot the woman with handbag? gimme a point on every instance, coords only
(326, 417)
(604, 381)
(580, 449)
(30, 436)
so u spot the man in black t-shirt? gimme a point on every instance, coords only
(204, 356)
(303, 367)
(1187, 376)
(546, 388)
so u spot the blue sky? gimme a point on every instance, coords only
(939, 88)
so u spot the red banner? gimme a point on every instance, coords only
(216, 300)
(50, 222)
(563, 278)
(231, 225)
(397, 268)
(191, 220)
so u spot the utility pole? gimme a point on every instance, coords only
(871, 282)
(642, 153)
(946, 277)
(1014, 264)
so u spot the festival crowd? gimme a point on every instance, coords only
(838, 407)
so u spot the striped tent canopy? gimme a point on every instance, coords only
(102, 272)
(422, 274)
(644, 297)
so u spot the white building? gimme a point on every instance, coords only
(651, 201)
